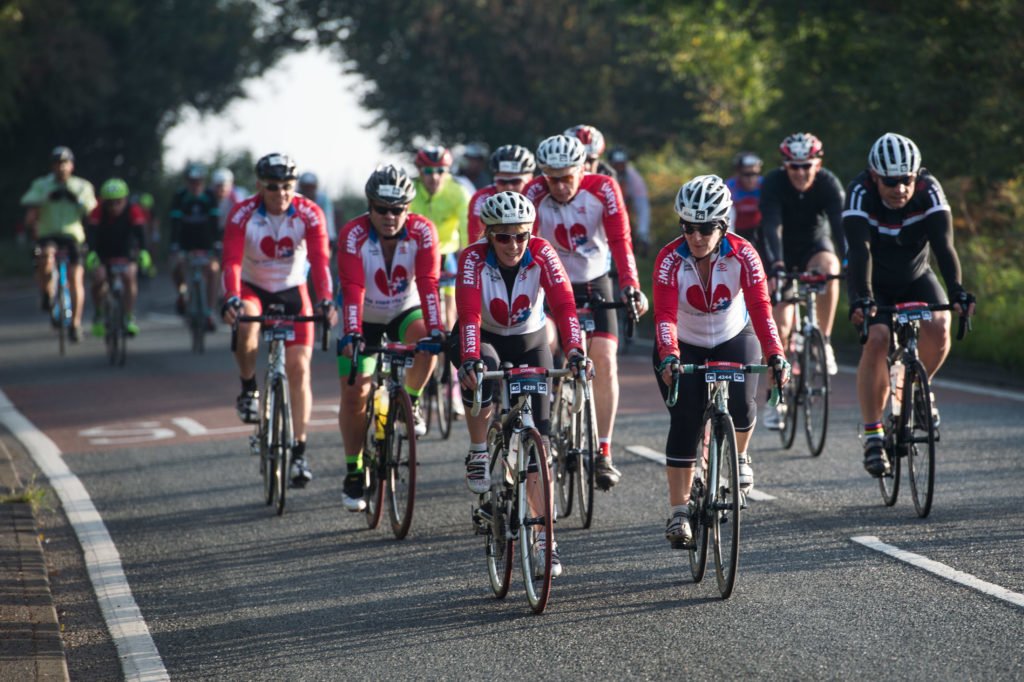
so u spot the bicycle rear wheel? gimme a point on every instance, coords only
(536, 576)
(921, 448)
(816, 393)
(281, 443)
(373, 468)
(498, 541)
(587, 448)
(445, 395)
(726, 501)
(699, 506)
(889, 484)
(400, 455)
(565, 458)
(794, 393)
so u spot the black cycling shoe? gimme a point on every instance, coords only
(876, 462)
(73, 335)
(605, 473)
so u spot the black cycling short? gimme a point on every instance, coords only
(62, 241)
(526, 349)
(197, 238)
(606, 322)
(925, 289)
(688, 412)
(799, 254)
(373, 332)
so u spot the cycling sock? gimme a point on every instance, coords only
(678, 509)
(744, 455)
(605, 445)
(873, 430)
(414, 393)
(354, 463)
(299, 449)
(478, 447)
(249, 385)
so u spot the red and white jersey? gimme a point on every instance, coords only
(270, 252)
(373, 291)
(474, 227)
(706, 314)
(588, 227)
(483, 301)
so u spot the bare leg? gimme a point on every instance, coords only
(297, 359)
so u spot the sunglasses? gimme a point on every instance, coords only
(508, 181)
(799, 166)
(505, 238)
(706, 229)
(275, 187)
(750, 174)
(393, 210)
(433, 171)
(897, 181)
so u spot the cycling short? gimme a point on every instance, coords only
(687, 414)
(295, 302)
(373, 334)
(606, 322)
(200, 238)
(62, 241)
(925, 288)
(525, 349)
(799, 254)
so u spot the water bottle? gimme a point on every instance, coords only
(380, 412)
(896, 385)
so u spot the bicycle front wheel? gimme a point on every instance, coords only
(815, 393)
(726, 501)
(281, 443)
(400, 455)
(536, 571)
(115, 330)
(794, 393)
(889, 483)
(197, 315)
(700, 505)
(445, 395)
(586, 446)
(373, 468)
(921, 448)
(266, 454)
(498, 540)
(565, 459)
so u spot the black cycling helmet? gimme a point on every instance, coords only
(511, 158)
(747, 160)
(61, 153)
(391, 186)
(276, 167)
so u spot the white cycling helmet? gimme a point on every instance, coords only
(507, 208)
(222, 176)
(561, 151)
(894, 155)
(591, 138)
(705, 199)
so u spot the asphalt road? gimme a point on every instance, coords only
(230, 591)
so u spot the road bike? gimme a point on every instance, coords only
(716, 500)
(115, 334)
(809, 389)
(574, 439)
(390, 442)
(519, 504)
(61, 310)
(910, 425)
(198, 313)
(274, 438)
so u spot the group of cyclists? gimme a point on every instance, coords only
(497, 276)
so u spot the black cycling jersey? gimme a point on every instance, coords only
(889, 248)
(116, 237)
(810, 220)
(194, 223)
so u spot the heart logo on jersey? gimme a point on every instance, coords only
(721, 299)
(520, 310)
(285, 248)
(399, 281)
(571, 239)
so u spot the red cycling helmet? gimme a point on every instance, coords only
(801, 147)
(434, 156)
(591, 138)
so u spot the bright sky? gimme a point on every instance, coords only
(304, 107)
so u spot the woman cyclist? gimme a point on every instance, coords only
(380, 254)
(710, 303)
(500, 291)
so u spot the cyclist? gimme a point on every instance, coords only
(225, 193)
(634, 192)
(473, 167)
(745, 187)
(801, 225)
(895, 217)
(380, 253)
(502, 284)
(512, 167)
(710, 303)
(268, 240)
(55, 205)
(116, 229)
(593, 141)
(309, 187)
(194, 227)
(583, 217)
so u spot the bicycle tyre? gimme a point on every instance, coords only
(266, 458)
(62, 309)
(197, 317)
(726, 500)
(815, 393)
(587, 447)
(445, 396)
(699, 507)
(115, 329)
(921, 448)
(281, 443)
(498, 543)
(400, 455)
(428, 399)
(889, 484)
(794, 392)
(373, 481)
(538, 589)
(565, 459)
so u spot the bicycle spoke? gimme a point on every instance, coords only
(815, 397)
(400, 455)
(537, 578)
(921, 449)
(726, 501)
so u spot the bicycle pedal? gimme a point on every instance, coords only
(254, 446)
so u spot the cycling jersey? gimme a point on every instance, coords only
(374, 292)
(118, 236)
(270, 252)
(483, 298)
(588, 227)
(793, 222)
(194, 220)
(60, 216)
(474, 227)
(889, 248)
(746, 209)
(707, 315)
(447, 210)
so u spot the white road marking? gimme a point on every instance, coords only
(193, 428)
(659, 457)
(941, 570)
(140, 659)
(131, 432)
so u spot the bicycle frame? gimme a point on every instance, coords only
(62, 311)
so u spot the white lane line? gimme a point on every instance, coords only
(941, 570)
(659, 457)
(140, 659)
